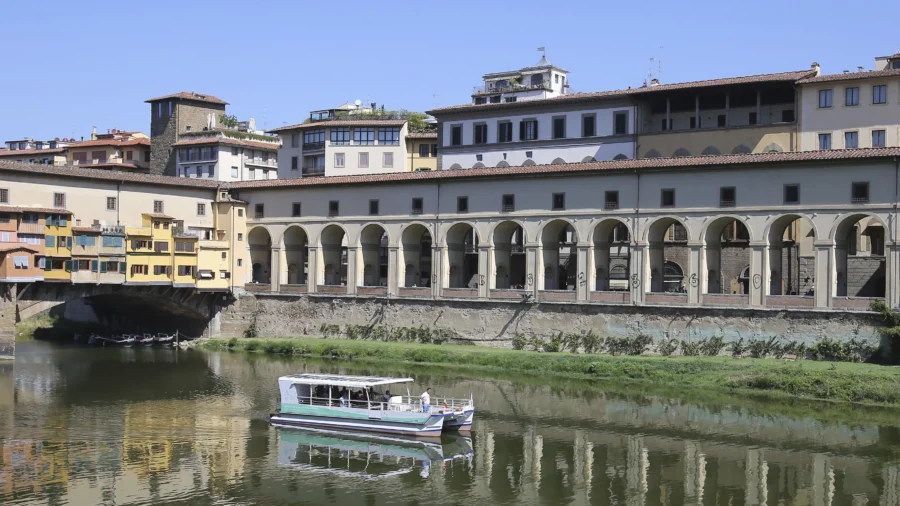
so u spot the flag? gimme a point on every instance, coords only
(541, 48)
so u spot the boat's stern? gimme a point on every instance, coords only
(460, 420)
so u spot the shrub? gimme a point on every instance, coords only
(252, 330)
(572, 342)
(519, 341)
(713, 346)
(668, 347)
(252, 346)
(555, 343)
(617, 345)
(638, 345)
(738, 348)
(591, 343)
(329, 329)
(762, 348)
(690, 349)
(536, 343)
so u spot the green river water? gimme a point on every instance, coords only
(85, 426)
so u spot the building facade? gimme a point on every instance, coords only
(227, 156)
(41, 152)
(125, 151)
(422, 150)
(173, 115)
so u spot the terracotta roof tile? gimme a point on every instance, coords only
(190, 95)
(159, 216)
(26, 209)
(111, 142)
(850, 76)
(205, 141)
(70, 171)
(341, 123)
(128, 166)
(23, 152)
(642, 164)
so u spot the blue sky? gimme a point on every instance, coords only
(72, 65)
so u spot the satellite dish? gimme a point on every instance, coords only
(358, 102)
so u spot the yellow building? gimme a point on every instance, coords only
(149, 251)
(422, 150)
(185, 270)
(58, 246)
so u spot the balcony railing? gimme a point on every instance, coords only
(271, 162)
(509, 88)
(313, 171)
(308, 146)
(612, 205)
(113, 230)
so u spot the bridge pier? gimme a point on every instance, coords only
(8, 321)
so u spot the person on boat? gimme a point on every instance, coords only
(426, 400)
(345, 401)
(386, 396)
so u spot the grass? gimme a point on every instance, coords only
(833, 381)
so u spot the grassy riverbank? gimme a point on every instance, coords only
(862, 383)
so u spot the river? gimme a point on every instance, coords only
(85, 426)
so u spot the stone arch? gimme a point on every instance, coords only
(656, 229)
(773, 147)
(502, 163)
(740, 149)
(295, 242)
(461, 258)
(508, 239)
(455, 166)
(660, 244)
(588, 159)
(620, 156)
(332, 269)
(558, 239)
(713, 227)
(792, 255)
(681, 152)
(859, 242)
(653, 154)
(843, 222)
(528, 163)
(259, 242)
(558, 160)
(415, 251)
(374, 242)
(611, 239)
(727, 239)
(478, 165)
(711, 150)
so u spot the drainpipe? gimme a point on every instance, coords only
(896, 198)
(434, 238)
(118, 201)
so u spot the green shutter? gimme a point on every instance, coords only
(122, 267)
(95, 265)
(74, 265)
(68, 265)
(69, 242)
(62, 222)
(49, 241)
(48, 264)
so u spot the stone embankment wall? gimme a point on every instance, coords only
(7, 322)
(494, 323)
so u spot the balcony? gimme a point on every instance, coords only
(312, 146)
(313, 171)
(258, 162)
(113, 230)
(512, 87)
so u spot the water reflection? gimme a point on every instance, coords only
(163, 427)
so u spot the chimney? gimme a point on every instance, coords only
(94, 134)
(815, 67)
(846, 71)
(654, 82)
(859, 68)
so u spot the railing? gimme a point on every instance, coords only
(271, 162)
(860, 200)
(405, 403)
(612, 205)
(726, 203)
(487, 90)
(113, 230)
(375, 115)
(313, 145)
(312, 171)
(506, 208)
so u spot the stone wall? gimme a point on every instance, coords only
(7, 321)
(865, 276)
(163, 132)
(494, 323)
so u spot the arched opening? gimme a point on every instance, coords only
(478, 165)
(559, 255)
(558, 161)
(527, 163)
(509, 256)
(859, 257)
(416, 256)
(773, 147)
(667, 248)
(502, 163)
(681, 152)
(589, 159)
(462, 257)
(792, 256)
(620, 156)
(334, 256)
(455, 166)
(653, 154)
(727, 252)
(612, 256)
(711, 151)
(744, 279)
(373, 253)
(296, 245)
(260, 243)
(740, 149)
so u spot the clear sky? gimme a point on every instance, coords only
(68, 66)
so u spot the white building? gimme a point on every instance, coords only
(28, 150)
(227, 156)
(852, 109)
(541, 80)
(343, 147)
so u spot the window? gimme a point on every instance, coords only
(373, 207)
(339, 160)
(20, 262)
(877, 138)
(508, 203)
(480, 100)
(111, 241)
(235, 174)
(240, 262)
(727, 196)
(620, 125)
(787, 116)
(340, 136)
(147, 156)
(184, 246)
(753, 118)
(667, 198)
(879, 94)
(240, 236)
(480, 133)
(559, 202)
(851, 140)
(589, 125)
(417, 205)
(295, 163)
(434, 150)
(4, 195)
(312, 139)
(170, 107)
(504, 131)
(720, 120)
(824, 141)
(612, 200)
(212, 171)
(159, 109)
(295, 140)
(389, 136)
(364, 136)
(693, 122)
(201, 209)
(851, 96)
(824, 99)
(387, 160)
(296, 209)
(259, 211)
(363, 160)
(559, 127)
(462, 204)
(423, 150)
(234, 151)
(160, 246)
(59, 200)
(333, 208)
(241, 213)
(251, 173)
(792, 194)
(158, 207)
(528, 130)
(860, 193)
(456, 135)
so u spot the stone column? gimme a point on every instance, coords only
(695, 277)
(639, 281)
(354, 276)
(533, 280)
(484, 271)
(826, 279)
(600, 261)
(248, 266)
(582, 292)
(393, 288)
(275, 268)
(759, 273)
(727, 110)
(8, 325)
(437, 270)
(314, 274)
(697, 111)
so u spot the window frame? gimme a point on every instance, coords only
(114, 201)
(859, 200)
(456, 135)
(724, 202)
(364, 140)
(341, 136)
(500, 127)
(59, 200)
(609, 203)
(462, 204)
(343, 160)
(855, 96)
(296, 209)
(826, 96)
(593, 123)
(553, 203)
(616, 116)
(662, 197)
(384, 160)
(477, 128)
(824, 136)
(417, 206)
(360, 163)
(159, 207)
(334, 208)
(259, 211)
(389, 136)
(785, 193)
(523, 129)
(883, 95)
(555, 123)
(201, 209)
(508, 208)
(855, 134)
(883, 136)
(374, 207)
(423, 153)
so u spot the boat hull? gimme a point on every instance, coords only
(424, 425)
(461, 422)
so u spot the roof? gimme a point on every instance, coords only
(850, 76)
(341, 123)
(159, 216)
(26, 209)
(341, 381)
(791, 77)
(190, 95)
(23, 152)
(641, 164)
(13, 246)
(228, 141)
(114, 176)
(542, 64)
(431, 134)
(109, 165)
(111, 142)
(86, 230)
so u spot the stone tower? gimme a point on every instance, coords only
(173, 115)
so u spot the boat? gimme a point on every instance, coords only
(352, 403)
(146, 340)
(165, 340)
(366, 456)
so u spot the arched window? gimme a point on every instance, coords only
(620, 156)
(773, 148)
(588, 159)
(711, 150)
(502, 164)
(681, 152)
(527, 163)
(652, 154)
(478, 165)
(741, 149)
(673, 277)
(455, 166)
(558, 161)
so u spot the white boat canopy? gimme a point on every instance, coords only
(341, 381)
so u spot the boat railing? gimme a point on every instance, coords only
(396, 403)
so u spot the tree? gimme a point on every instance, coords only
(228, 120)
